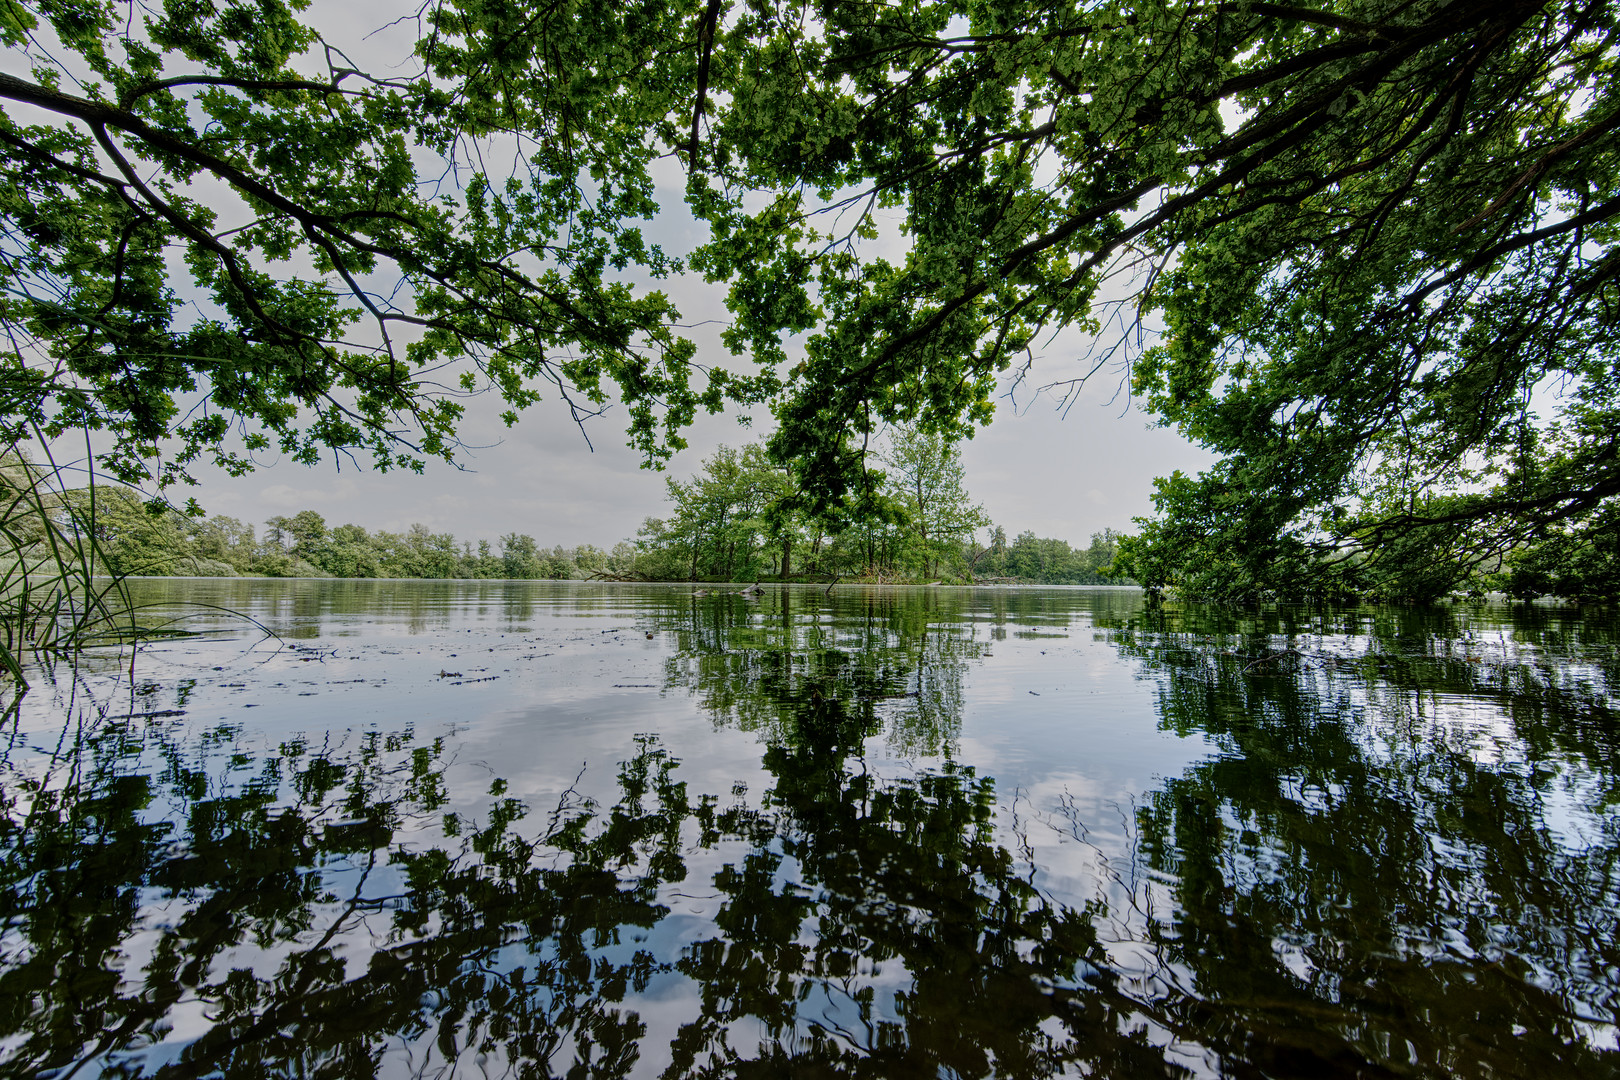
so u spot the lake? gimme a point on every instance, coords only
(602, 830)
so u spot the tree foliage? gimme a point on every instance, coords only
(1363, 250)
(144, 538)
(1047, 560)
(1369, 245)
(722, 523)
(334, 293)
(925, 474)
(744, 518)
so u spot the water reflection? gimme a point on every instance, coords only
(1409, 840)
(871, 927)
(797, 670)
(1400, 861)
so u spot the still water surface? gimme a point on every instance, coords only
(590, 830)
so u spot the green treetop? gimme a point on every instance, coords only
(213, 221)
(926, 477)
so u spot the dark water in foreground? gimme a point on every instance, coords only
(531, 829)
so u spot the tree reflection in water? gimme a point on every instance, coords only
(1408, 844)
(1362, 886)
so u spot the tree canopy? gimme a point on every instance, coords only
(214, 220)
(1364, 250)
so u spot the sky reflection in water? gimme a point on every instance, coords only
(604, 831)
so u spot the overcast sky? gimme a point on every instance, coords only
(1058, 476)
(1064, 475)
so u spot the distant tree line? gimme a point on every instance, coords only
(1049, 562)
(136, 538)
(736, 520)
